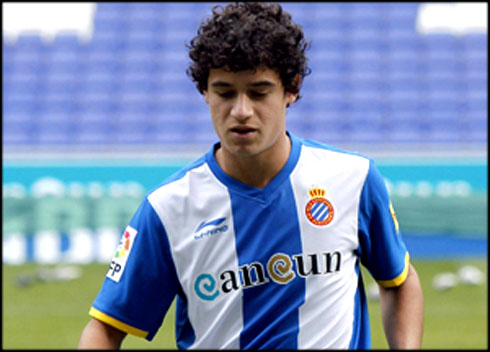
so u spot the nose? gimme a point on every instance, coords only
(242, 107)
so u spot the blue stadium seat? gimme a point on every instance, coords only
(98, 83)
(100, 107)
(28, 57)
(110, 26)
(107, 44)
(63, 85)
(365, 10)
(404, 62)
(204, 135)
(476, 65)
(52, 104)
(55, 114)
(406, 132)
(146, 10)
(445, 126)
(131, 132)
(8, 47)
(111, 7)
(89, 116)
(19, 103)
(337, 128)
(299, 11)
(476, 124)
(144, 46)
(67, 43)
(476, 104)
(94, 133)
(173, 131)
(375, 79)
(55, 133)
(392, 20)
(402, 9)
(475, 42)
(29, 44)
(397, 116)
(443, 100)
(17, 131)
(441, 42)
(132, 106)
(367, 134)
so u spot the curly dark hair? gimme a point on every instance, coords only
(246, 36)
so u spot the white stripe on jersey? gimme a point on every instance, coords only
(182, 213)
(343, 184)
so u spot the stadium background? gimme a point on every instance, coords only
(97, 110)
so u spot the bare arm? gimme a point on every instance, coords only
(98, 335)
(402, 310)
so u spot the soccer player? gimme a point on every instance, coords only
(261, 239)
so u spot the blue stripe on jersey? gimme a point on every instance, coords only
(149, 265)
(264, 325)
(270, 311)
(184, 332)
(376, 229)
(361, 333)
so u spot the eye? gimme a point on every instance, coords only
(257, 95)
(227, 94)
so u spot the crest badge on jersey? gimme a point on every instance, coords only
(319, 211)
(122, 253)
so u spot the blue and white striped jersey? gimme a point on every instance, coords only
(272, 268)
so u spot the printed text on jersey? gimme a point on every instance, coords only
(280, 268)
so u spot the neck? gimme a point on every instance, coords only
(257, 170)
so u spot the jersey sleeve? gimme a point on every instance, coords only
(382, 250)
(141, 282)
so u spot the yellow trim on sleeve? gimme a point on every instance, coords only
(116, 323)
(400, 279)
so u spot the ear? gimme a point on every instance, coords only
(206, 96)
(291, 98)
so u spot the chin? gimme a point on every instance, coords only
(242, 151)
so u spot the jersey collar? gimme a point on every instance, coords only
(238, 187)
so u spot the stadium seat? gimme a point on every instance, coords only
(55, 133)
(131, 132)
(335, 129)
(90, 135)
(374, 78)
(29, 44)
(17, 130)
(475, 47)
(172, 131)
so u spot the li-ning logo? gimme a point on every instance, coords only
(210, 228)
(319, 210)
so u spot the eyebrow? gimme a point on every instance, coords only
(264, 83)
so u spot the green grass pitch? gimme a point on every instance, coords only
(52, 315)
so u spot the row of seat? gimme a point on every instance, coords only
(334, 38)
(374, 79)
(138, 134)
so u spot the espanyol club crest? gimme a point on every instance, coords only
(319, 210)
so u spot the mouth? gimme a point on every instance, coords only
(242, 131)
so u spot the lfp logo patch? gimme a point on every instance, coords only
(122, 253)
(319, 210)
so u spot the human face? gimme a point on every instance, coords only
(248, 111)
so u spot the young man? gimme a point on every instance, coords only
(261, 239)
